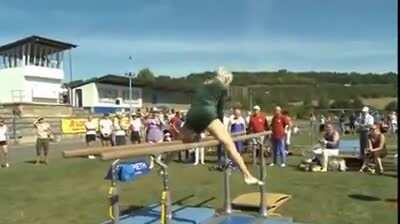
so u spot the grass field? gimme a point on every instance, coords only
(74, 191)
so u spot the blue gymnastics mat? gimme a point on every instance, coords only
(239, 218)
(180, 215)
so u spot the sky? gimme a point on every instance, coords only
(178, 37)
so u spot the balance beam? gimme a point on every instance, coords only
(159, 149)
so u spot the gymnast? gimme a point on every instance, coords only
(206, 113)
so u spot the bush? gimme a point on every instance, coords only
(392, 106)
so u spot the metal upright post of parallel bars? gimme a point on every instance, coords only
(114, 193)
(227, 190)
(263, 201)
(166, 209)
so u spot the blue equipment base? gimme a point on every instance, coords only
(180, 214)
(196, 215)
(239, 218)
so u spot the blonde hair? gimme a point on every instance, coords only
(223, 76)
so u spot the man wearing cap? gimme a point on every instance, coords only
(43, 134)
(364, 123)
(258, 123)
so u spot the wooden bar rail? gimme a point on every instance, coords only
(158, 149)
(101, 149)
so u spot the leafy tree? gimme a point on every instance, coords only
(323, 102)
(392, 106)
(146, 76)
(357, 103)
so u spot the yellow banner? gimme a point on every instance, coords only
(75, 126)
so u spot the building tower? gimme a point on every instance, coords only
(32, 70)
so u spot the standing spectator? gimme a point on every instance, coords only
(199, 152)
(174, 125)
(279, 124)
(342, 122)
(43, 136)
(135, 129)
(288, 131)
(364, 123)
(352, 121)
(3, 144)
(119, 132)
(258, 123)
(393, 123)
(153, 124)
(154, 133)
(376, 149)
(237, 126)
(321, 123)
(90, 137)
(106, 129)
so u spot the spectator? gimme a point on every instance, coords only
(321, 123)
(376, 149)
(330, 143)
(174, 125)
(154, 133)
(90, 137)
(135, 129)
(106, 129)
(342, 122)
(119, 133)
(364, 123)
(153, 124)
(352, 121)
(393, 123)
(237, 126)
(279, 124)
(43, 136)
(258, 123)
(3, 144)
(288, 131)
(313, 120)
(199, 153)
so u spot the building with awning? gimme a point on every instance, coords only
(110, 93)
(32, 70)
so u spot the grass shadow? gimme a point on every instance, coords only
(30, 161)
(364, 197)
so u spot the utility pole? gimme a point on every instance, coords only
(130, 74)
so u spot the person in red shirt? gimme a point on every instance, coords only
(258, 123)
(279, 124)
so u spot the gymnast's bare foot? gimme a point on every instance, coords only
(252, 181)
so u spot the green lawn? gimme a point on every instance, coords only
(74, 191)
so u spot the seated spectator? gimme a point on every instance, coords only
(376, 149)
(330, 143)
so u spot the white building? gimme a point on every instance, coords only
(31, 70)
(106, 94)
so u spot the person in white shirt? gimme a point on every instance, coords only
(90, 137)
(393, 123)
(90, 127)
(119, 132)
(43, 136)
(199, 152)
(135, 127)
(364, 124)
(106, 128)
(3, 144)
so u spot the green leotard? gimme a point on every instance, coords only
(207, 105)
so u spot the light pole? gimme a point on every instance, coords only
(130, 74)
